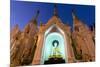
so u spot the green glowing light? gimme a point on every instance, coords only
(49, 48)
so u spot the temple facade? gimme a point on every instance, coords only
(53, 41)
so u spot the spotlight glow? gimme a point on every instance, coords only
(48, 48)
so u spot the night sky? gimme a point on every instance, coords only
(23, 12)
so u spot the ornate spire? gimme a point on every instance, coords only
(34, 19)
(75, 19)
(41, 23)
(55, 10)
(37, 14)
(74, 14)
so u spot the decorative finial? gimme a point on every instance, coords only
(55, 10)
(37, 14)
(74, 14)
(40, 23)
(34, 19)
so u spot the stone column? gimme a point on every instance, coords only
(69, 50)
(38, 51)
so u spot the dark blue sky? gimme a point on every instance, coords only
(22, 13)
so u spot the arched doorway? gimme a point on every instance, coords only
(54, 49)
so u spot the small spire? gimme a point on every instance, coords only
(55, 10)
(37, 14)
(74, 18)
(74, 14)
(41, 23)
(34, 19)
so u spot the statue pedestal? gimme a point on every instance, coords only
(55, 60)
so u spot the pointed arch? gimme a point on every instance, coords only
(61, 33)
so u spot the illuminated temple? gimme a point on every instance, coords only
(52, 43)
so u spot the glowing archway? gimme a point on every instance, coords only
(49, 48)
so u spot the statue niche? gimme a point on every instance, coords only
(56, 57)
